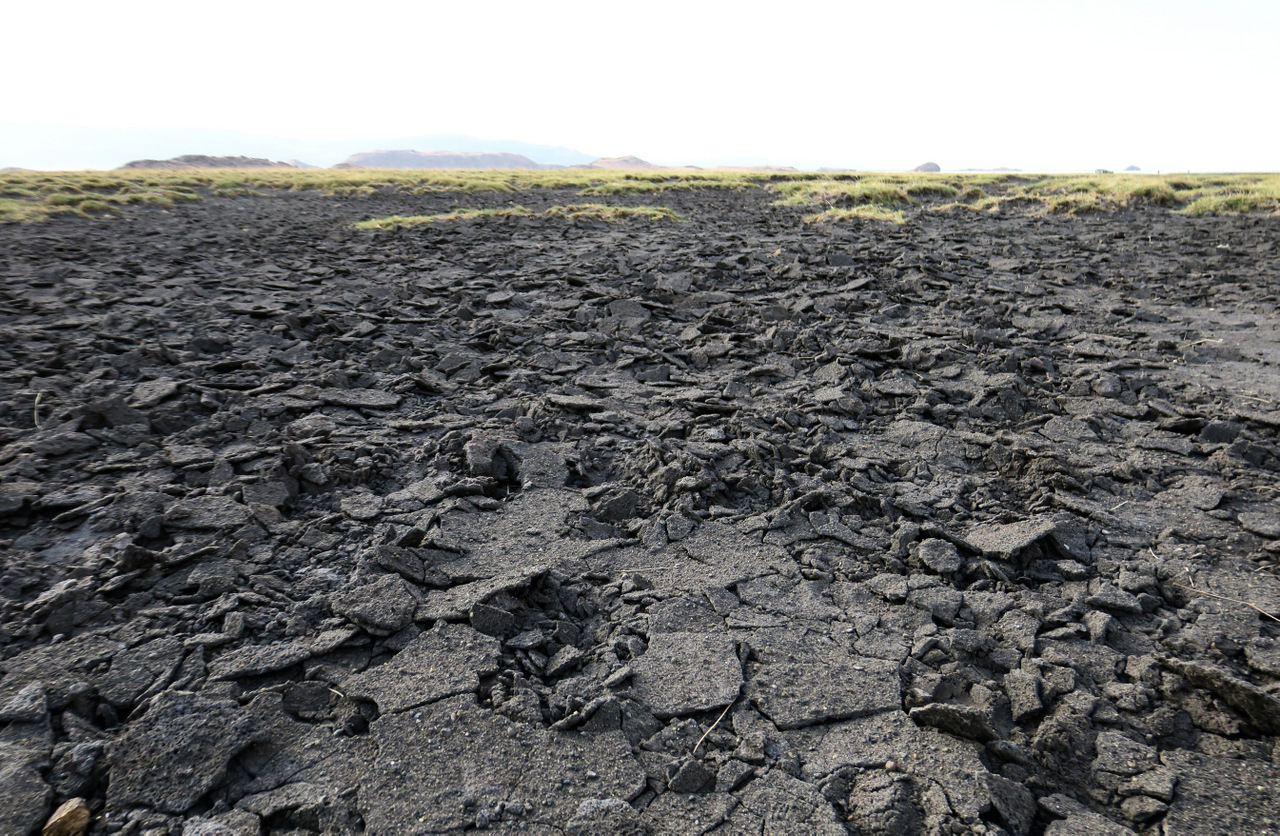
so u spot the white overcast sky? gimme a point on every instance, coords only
(1032, 84)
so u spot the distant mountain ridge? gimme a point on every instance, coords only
(187, 161)
(440, 159)
(62, 148)
(621, 163)
(633, 163)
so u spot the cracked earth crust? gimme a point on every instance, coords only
(735, 525)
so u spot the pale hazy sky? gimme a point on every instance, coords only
(1031, 84)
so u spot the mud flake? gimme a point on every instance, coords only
(440, 663)
(683, 673)
(176, 752)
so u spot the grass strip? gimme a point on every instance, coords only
(29, 196)
(576, 212)
(866, 212)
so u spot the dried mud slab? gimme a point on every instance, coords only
(730, 525)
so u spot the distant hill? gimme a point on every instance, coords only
(781, 169)
(201, 161)
(631, 163)
(439, 159)
(64, 148)
(626, 163)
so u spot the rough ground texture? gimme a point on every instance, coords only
(729, 526)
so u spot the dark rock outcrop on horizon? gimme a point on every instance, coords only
(928, 167)
(204, 161)
(407, 159)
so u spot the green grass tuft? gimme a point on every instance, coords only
(404, 221)
(866, 212)
(612, 214)
(833, 193)
(1233, 203)
(577, 212)
(931, 189)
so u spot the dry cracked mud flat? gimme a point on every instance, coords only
(730, 526)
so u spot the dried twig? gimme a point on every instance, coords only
(713, 727)
(1260, 610)
(35, 410)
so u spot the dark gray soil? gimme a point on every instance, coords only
(730, 526)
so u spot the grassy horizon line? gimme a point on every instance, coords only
(30, 196)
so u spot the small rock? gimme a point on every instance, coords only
(206, 512)
(564, 660)
(1264, 524)
(1264, 660)
(1100, 626)
(24, 796)
(176, 752)
(1014, 802)
(149, 393)
(943, 603)
(62, 442)
(1122, 756)
(382, 607)
(679, 527)
(1141, 809)
(608, 815)
(691, 776)
(1220, 432)
(1006, 541)
(1158, 783)
(27, 706)
(576, 403)
(71, 819)
(1086, 823)
(360, 398)
(1112, 599)
(492, 621)
(940, 555)
(731, 775)
(116, 413)
(960, 720)
(362, 506)
(1023, 690)
(1262, 708)
(256, 660)
(893, 588)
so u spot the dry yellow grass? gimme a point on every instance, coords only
(29, 196)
